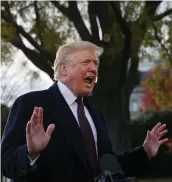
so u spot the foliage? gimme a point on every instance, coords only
(7, 51)
(146, 121)
(158, 41)
(50, 28)
(40, 20)
(10, 83)
(158, 89)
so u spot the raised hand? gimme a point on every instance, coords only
(37, 139)
(153, 140)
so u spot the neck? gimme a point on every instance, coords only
(67, 85)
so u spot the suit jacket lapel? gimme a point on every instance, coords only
(64, 116)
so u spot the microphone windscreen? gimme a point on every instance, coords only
(109, 162)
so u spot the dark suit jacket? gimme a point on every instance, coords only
(64, 159)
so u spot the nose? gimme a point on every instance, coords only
(93, 67)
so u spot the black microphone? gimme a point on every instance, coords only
(111, 170)
(109, 162)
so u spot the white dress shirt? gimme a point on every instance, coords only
(70, 100)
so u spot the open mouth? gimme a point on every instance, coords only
(89, 79)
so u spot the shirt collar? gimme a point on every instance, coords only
(67, 93)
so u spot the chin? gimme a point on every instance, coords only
(86, 93)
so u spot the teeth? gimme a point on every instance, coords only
(88, 80)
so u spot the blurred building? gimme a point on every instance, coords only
(137, 95)
(138, 92)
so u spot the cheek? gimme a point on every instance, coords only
(76, 78)
(80, 80)
(80, 74)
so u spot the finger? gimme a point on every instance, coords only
(28, 128)
(148, 136)
(162, 127)
(155, 128)
(36, 109)
(50, 129)
(163, 133)
(33, 119)
(40, 115)
(163, 141)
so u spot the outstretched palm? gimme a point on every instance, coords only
(37, 138)
(152, 141)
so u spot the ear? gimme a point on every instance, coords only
(63, 69)
(96, 79)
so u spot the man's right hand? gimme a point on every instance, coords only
(37, 139)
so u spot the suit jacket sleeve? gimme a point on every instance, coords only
(14, 160)
(134, 162)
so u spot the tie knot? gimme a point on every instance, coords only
(78, 100)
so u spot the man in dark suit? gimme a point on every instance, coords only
(56, 135)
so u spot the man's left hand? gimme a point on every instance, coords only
(153, 140)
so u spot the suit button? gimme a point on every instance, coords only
(24, 172)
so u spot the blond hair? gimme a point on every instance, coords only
(64, 51)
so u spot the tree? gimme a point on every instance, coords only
(10, 81)
(123, 29)
(158, 89)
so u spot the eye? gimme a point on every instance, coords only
(85, 62)
(95, 63)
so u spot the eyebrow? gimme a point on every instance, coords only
(87, 59)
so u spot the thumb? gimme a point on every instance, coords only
(50, 129)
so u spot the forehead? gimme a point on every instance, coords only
(84, 54)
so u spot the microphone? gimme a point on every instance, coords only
(109, 162)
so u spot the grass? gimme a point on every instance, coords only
(157, 180)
